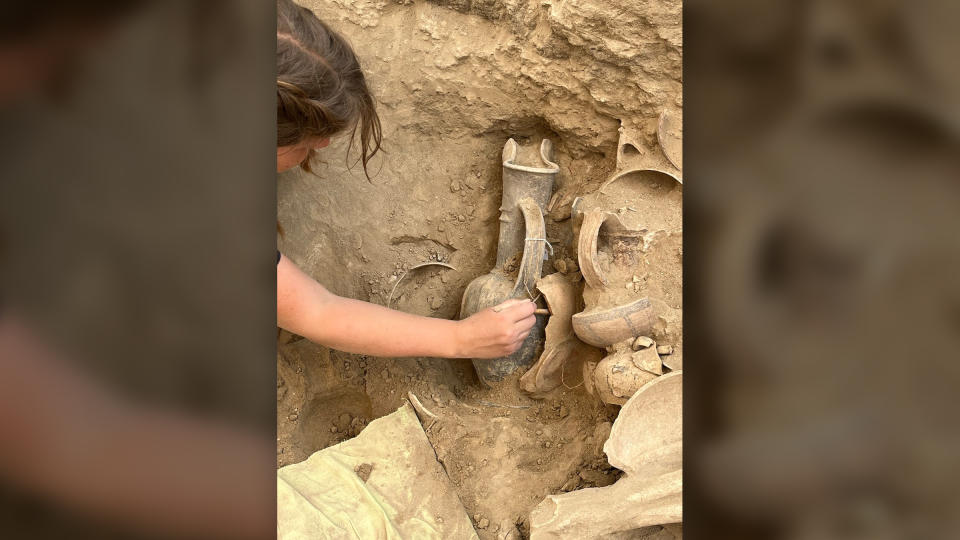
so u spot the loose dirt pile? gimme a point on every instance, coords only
(455, 80)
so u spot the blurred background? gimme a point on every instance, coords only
(137, 260)
(821, 261)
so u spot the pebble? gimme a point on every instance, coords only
(440, 227)
(333, 429)
(664, 350)
(293, 417)
(454, 186)
(461, 218)
(484, 523)
(642, 342)
(436, 303)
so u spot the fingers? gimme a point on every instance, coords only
(513, 347)
(516, 309)
(524, 325)
(507, 303)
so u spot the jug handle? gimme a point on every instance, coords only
(587, 246)
(535, 244)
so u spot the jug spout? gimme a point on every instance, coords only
(526, 174)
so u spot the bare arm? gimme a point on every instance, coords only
(306, 308)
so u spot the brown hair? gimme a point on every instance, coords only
(321, 90)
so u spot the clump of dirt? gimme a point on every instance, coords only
(454, 80)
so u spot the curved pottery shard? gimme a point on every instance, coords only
(633, 153)
(645, 443)
(605, 326)
(670, 137)
(647, 436)
(562, 348)
(587, 244)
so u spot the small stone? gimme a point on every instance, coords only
(539, 432)
(454, 186)
(476, 517)
(636, 279)
(484, 523)
(664, 350)
(436, 303)
(539, 462)
(461, 218)
(293, 417)
(560, 265)
(333, 429)
(642, 342)
(440, 227)
(629, 285)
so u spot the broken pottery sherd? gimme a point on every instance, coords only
(648, 360)
(642, 342)
(562, 352)
(646, 443)
(603, 327)
(670, 138)
(633, 152)
(647, 437)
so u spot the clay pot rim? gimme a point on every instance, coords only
(633, 170)
(546, 151)
(639, 303)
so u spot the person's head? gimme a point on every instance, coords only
(321, 90)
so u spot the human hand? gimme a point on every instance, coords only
(496, 331)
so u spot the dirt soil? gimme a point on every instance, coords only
(454, 80)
